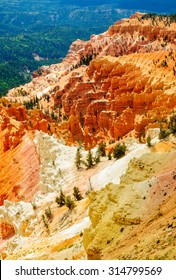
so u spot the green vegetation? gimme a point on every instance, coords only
(149, 141)
(167, 19)
(66, 200)
(89, 159)
(61, 199)
(102, 149)
(109, 156)
(44, 28)
(77, 193)
(170, 127)
(69, 203)
(18, 51)
(78, 158)
(172, 123)
(163, 132)
(48, 213)
(119, 150)
(96, 159)
(45, 222)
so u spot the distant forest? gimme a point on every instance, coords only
(47, 28)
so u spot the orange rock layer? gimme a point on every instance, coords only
(112, 96)
(19, 160)
(115, 96)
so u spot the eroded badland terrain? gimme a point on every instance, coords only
(61, 131)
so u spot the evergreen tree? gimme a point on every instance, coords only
(48, 213)
(89, 159)
(78, 158)
(61, 199)
(97, 157)
(101, 149)
(149, 141)
(172, 123)
(77, 193)
(119, 150)
(109, 156)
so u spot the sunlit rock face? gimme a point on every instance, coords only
(118, 86)
(117, 82)
(119, 95)
(140, 211)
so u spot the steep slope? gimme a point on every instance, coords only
(19, 159)
(96, 101)
(140, 211)
(59, 236)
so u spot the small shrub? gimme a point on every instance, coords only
(69, 203)
(44, 221)
(48, 213)
(119, 150)
(34, 205)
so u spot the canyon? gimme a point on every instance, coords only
(118, 87)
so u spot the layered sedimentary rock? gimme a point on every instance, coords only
(119, 84)
(121, 95)
(111, 96)
(19, 159)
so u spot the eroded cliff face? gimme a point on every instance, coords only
(97, 96)
(19, 158)
(115, 96)
(118, 85)
(120, 95)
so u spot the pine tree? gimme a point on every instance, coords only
(97, 157)
(172, 123)
(77, 193)
(61, 199)
(48, 213)
(78, 158)
(149, 141)
(109, 156)
(89, 159)
(101, 149)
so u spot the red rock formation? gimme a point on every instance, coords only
(119, 95)
(19, 172)
(128, 87)
(6, 231)
(112, 96)
(19, 160)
